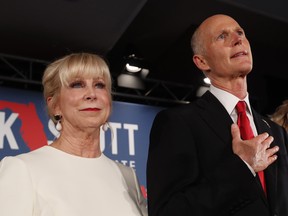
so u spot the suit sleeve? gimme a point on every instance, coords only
(175, 182)
(16, 193)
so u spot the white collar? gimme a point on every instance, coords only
(229, 100)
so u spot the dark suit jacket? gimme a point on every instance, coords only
(191, 169)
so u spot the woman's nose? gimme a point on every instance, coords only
(90, 94)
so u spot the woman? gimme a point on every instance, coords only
(72, 176)
(280, 116)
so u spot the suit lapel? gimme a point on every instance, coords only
(271, 172)
(215, 116)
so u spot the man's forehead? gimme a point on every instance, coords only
(219, 24)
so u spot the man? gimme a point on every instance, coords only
(199, 164)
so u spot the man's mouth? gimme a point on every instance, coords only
(243, 53)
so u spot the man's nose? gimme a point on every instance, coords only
(237, 40)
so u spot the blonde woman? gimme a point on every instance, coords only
(72, 176)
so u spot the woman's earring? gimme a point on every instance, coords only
(105, 126)
(58, 119)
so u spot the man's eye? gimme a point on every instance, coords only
(76, 85)
(240, 33)
(100, 85)
(222, 36)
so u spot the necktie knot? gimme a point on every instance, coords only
(241, 107)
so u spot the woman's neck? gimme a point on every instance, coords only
(88, 147)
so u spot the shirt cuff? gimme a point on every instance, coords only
(250, 168)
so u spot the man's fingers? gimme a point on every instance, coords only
(272, 159)
(267, 142)
(256, 152)
(264, 137)
(270, 152)
(235, 131)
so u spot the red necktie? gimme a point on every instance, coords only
(247, 133)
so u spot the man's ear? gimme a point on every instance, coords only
(201, 63)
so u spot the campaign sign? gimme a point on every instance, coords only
(25, 126)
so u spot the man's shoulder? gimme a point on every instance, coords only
(202, 103)
(180, 109)
(271, 126)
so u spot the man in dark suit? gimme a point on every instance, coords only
(198, 164)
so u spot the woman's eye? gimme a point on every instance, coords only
(100, 85)
(76, 85)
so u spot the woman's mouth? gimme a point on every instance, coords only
(90, 109)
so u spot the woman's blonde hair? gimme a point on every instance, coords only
(60, 72)
(280, 116)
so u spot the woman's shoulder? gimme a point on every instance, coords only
(125, 171)
(34, 154)
(117, 164)
(25, 161)
(12, 167)
(25, 156)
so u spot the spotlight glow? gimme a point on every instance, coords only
(132, 68)
(207, 80)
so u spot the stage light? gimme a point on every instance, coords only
(207, 81)
(133, 74)
(132, 68)
(130, 81)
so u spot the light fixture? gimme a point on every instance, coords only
(207, 81)
(133, 73)
(130, 81)
(204, 87)
(132, 68)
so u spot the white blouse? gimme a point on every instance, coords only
(50, 182)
